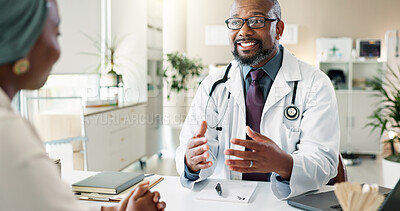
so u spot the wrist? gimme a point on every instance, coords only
(286, 171)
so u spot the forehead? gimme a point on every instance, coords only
(248, 8)
(53, 11)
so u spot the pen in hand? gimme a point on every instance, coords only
(218, 189)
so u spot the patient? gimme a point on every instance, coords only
(28, 178)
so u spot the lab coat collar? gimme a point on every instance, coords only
(235, 85)
(290, 66)
(289, 71)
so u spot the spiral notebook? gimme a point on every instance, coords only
(232, 191)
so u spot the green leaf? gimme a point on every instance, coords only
(181, 70)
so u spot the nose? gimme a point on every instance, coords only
(246, 30)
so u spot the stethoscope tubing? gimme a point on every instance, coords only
(225, 78)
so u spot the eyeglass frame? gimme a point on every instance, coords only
(247, 21)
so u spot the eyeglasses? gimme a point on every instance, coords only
(253, 22)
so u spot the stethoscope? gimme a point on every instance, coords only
(291, 112)
(220, 81)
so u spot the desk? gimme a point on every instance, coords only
(182, 199)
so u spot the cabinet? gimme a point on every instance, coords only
(355, 103)
(116, 137)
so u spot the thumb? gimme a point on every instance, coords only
(203, 129)
(256, 136)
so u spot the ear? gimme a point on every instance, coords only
(280, 26)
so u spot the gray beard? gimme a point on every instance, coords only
(254, 60)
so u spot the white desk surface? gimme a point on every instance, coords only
(182, 199)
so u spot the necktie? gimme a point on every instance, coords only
(254, 108)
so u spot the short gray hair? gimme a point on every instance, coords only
(276, 9)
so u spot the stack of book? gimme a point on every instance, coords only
(108, 182)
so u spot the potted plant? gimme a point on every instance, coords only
(179, 74)
(109, 67)
(386, 118)
(180, 70)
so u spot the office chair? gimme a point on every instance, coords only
(342, 173)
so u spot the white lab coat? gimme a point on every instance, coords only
(312, 139)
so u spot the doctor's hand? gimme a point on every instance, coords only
(197, 150)
(265, 156)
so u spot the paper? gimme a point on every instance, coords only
(232, 191)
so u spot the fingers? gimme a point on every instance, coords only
(204, 165)
(197, 154)
(256, 136)
(140, 190)
(200, 158)
(247, 155)
(240, 163)
(156, 196)
(124, 203)
(161, 205)
(202, 130)
(200, 161)
(249, 144)
(156, 199)
(195, 142)
(244, 169)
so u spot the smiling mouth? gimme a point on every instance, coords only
(247, 44)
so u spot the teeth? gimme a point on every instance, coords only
(247, 44)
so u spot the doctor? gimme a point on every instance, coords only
(269, 116)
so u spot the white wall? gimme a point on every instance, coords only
(129, 24)
(174, 30)
(199, 15)
(78, 18)
(316, 18)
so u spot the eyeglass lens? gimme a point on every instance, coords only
(253, 22)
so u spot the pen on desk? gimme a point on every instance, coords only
(218, 188)
(152, 184)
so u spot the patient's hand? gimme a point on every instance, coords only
(141, 198)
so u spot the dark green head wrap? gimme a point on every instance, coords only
(21, 23)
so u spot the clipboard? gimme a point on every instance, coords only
(115, 198)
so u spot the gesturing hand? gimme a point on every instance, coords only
(265, 156)
(196, 151)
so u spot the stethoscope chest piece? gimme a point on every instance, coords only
(291, 112)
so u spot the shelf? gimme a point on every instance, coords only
(367, 61)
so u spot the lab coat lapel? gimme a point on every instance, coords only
(280, 88)
(235, 86)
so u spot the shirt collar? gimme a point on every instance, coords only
(271, 68)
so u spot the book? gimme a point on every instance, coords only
(108, 182)
(118, 197)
